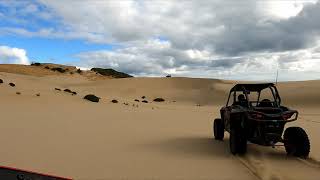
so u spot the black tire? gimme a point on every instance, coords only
(233, 142)
(218, 129)
(296, 142)
(237, 140)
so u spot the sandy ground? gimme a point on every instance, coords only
(64, 135)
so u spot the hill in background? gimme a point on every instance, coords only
(46, 69)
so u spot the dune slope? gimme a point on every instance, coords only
(66, 135)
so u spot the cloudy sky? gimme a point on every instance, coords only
(228, 39)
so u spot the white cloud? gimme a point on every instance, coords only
(9, 55)
(208, 38)
(157, 58)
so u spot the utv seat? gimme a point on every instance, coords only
(241, 101)
(265, 103)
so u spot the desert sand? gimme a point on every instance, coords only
(65, 135)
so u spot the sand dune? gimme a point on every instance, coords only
(68, 136)
(45, 70)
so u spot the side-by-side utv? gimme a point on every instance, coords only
(254, 113)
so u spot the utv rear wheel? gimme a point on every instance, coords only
(237, 141)
(296, 142)
(218, 129)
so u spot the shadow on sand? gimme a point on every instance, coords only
(209, 147)
(191, 146)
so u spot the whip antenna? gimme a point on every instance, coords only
(277, 76)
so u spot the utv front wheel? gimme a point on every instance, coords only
(218, 129)
(237, 141)
(296, 142)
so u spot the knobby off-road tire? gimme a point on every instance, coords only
(218, 129)
(296, 142)
(237, 140)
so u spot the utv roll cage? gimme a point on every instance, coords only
(247, 88)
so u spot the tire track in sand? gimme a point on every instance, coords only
(259, 167)
(273, 164)
(310, 162)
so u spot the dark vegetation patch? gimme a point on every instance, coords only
(57, 89)
(67, 90)
(143, 97)
(111, 72)
(79, 71)
(38, 94)
(1, 81)
(137, 100)
(59, 69)
(126, 104)
(114, 101)
(168, 76)
(35, 64)
(144, 101)
(71, 72)
(18, 93)
(47, 67)
(92, 98)
(12, 84)
(158, 100)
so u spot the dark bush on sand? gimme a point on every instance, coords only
(18, 93)
(35, 64)
(73, 93)
(79, 71)
(47, 67)
(67, 90)
(1, 81)
(144, 101)
(111, 72)
(143, 97)
(57, 89)
(158, 100)
(59, 69)
(114, 101)
(92, 98)
(137, 100)
(12, 84)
